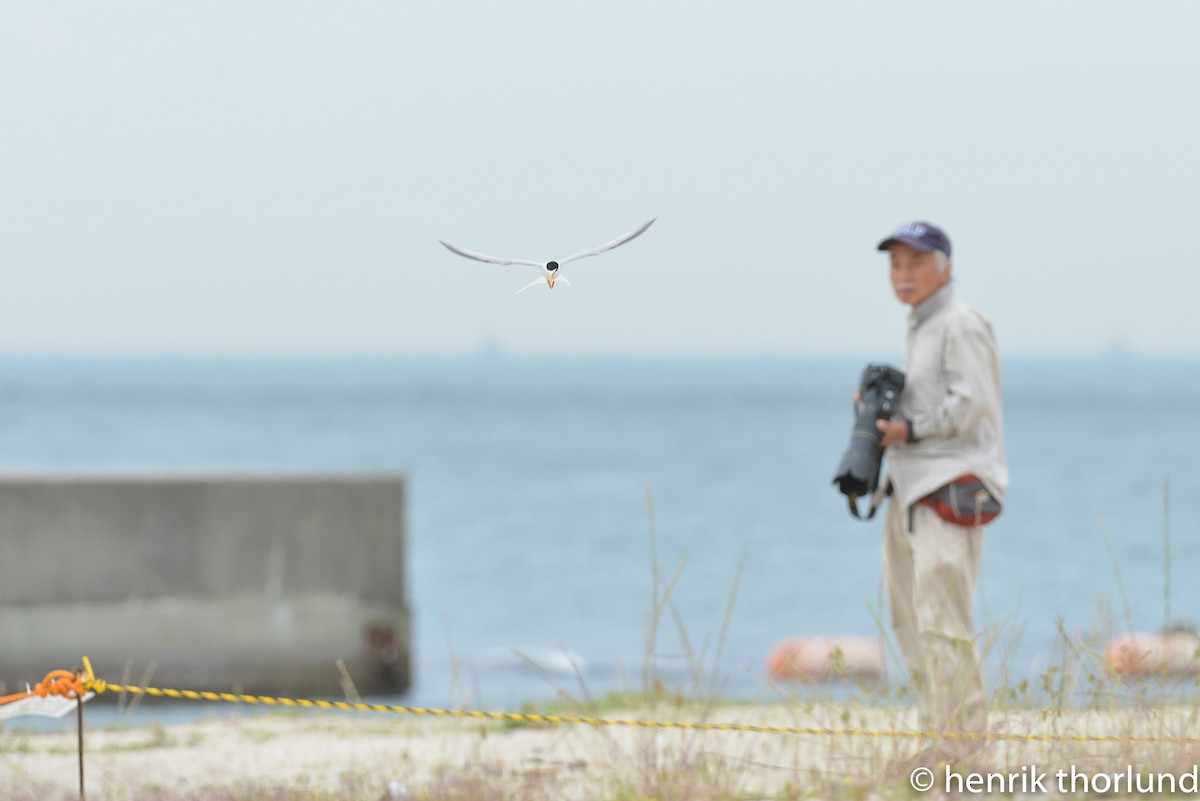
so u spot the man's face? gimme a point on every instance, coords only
(915, 274)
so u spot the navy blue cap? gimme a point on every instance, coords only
(920, 235)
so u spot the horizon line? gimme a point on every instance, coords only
(523, 354)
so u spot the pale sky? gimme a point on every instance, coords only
(273, 177)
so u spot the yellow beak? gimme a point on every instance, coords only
(550, 280)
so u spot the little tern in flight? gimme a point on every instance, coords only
(549, 269)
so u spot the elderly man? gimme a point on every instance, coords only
(948, 474)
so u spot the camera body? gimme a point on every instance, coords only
(858, 473)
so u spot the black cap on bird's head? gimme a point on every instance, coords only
(551, 271)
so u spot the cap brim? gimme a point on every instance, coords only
(912, 243)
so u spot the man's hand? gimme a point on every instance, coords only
(893, 431)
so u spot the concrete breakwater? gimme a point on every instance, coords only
(251, 583)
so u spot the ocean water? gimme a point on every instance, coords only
(535, 486)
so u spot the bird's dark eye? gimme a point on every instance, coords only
(551, 266)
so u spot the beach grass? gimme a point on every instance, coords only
(1075, 715)
(313, 757)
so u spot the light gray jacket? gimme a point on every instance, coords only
(952, 395)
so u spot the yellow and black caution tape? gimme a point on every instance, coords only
(90, 683)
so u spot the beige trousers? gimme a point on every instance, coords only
(931, 573)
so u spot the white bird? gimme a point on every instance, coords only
(549, 269)
(396, 791)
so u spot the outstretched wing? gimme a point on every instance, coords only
(470, 254)
(621, 240)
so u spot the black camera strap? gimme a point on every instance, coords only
(876, 500)
(852, 499)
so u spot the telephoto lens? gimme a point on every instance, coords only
(858, 474)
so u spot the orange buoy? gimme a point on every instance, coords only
(1169, 653)
(826, 658)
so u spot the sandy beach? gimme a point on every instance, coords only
(282, 755)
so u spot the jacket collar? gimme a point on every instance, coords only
(930, 306)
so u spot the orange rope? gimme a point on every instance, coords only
(57, 682)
